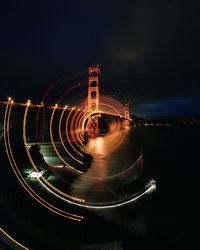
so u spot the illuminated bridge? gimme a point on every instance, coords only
(94, 115)
(55, 143)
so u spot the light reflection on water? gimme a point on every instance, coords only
(111, 154)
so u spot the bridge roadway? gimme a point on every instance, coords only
(39, 115)
(75, 109)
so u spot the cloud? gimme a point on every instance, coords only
(172, 107)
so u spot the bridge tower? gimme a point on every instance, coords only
(93, 95)
(126, 122)
(93, 88)
(127, 113)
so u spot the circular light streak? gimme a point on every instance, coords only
(77, 122)
(19, 175)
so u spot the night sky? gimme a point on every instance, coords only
(148, 50)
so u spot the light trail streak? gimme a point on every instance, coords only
(49, 89)
(76, 123)
(118, 140)
(52, 141)
(73, 87)
(77, 127)
(151, 186)
(113, 102)
(74, 129)
(71, 168)
(60, 135)
(111, 107)
(67, 122)
(117, 175)
(83, 124)
(32, 162)
(13, 240)
(110, 178)
(21, 179)
(77, 172)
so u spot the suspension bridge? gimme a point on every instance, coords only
(63, 131)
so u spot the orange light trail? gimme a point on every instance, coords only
(52, 141)
(22, 180)
(62, 139)
(68, 139)
(79, 136)
(75, 129)
(73, 87)
(13, 240)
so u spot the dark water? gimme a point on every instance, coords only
(112, 155)
(167, 218)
